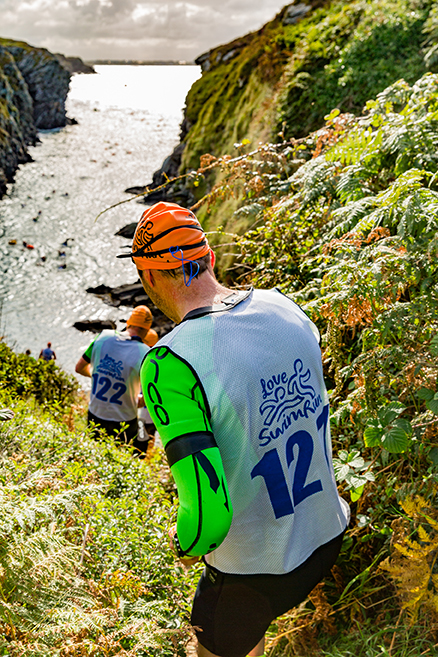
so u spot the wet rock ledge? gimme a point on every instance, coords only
(125, 295)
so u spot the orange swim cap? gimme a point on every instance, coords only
(167, 235)
(141, 316)
(151, 338)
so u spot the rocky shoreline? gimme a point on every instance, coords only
(34, 84)
(130, 295)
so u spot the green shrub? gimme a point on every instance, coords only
(85, 561)
(27, 377)
(345, 221)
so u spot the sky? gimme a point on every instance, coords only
(133, 29)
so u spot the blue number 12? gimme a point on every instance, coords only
(270, 468)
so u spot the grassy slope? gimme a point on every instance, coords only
(85, 563)
(286, 78)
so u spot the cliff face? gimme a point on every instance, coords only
(33, 89)
(17, 128)
(313, 56)
(279, 82)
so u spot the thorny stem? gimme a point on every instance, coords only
(425, 424)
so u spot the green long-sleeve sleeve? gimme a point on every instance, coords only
(177, 403)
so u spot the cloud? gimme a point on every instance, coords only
(132, 29)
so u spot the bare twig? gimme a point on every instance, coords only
(395, 633)
(217, 163)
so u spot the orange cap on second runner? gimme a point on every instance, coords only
(151, 338)
(166, 236)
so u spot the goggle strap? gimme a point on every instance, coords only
(173, 252)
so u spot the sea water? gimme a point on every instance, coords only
(128, 122)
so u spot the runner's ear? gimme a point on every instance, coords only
(213, 258)
(149, 277)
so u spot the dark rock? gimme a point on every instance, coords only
(295, 12)
(214, 57)
(99, 290)
(94, 325)
(132, 296)
(124, 295)
(47, 81)
(128, 231)
(33, 89)
(135, 190)
(174, 192)
(170, 166)
(17, 129)
(74, 64)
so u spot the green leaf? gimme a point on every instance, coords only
(395, 440)
(357, 462)
(354, 459)
(341, 469)
(403, 424)
(388, 413)
(433, 455)
(432, 405)
(355, 493)
(434, 345)
(373, 436)
(425, 393)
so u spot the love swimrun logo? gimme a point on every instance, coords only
(111, 367)
(286, 398)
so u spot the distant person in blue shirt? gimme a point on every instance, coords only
(48, 353)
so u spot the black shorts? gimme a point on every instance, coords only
(231, 613)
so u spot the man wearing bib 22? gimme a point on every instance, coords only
(236, 392)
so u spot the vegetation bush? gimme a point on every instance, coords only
(345, 221)
(285, 77)
(44, 381)
(85, 563)
(279, 82)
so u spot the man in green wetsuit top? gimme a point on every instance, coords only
(113, 361)
(237, 394)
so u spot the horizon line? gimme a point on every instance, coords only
(139, 62)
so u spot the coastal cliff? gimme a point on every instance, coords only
(279, 82)
(33, 89)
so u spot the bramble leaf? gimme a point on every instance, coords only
(341, 470)
(425, 393)
(355, 493)
(434, 345)
(433, 455)
(395, 440)
(388, 413)
(373, 434)
(432, 405)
